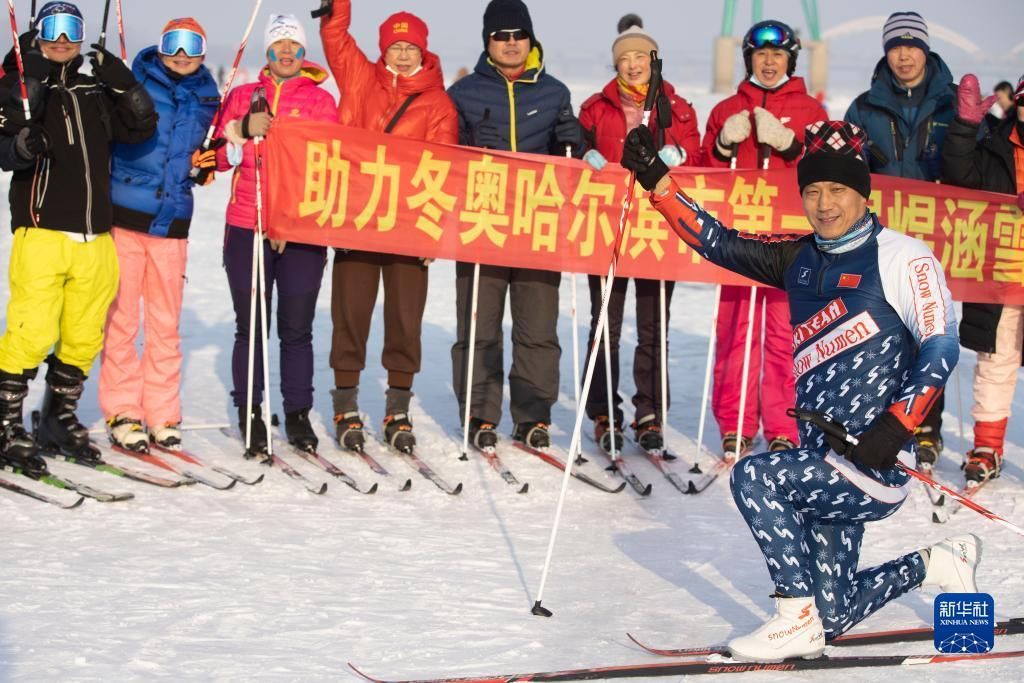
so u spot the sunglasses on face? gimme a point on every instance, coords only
(509, 35)
(192, 43)
(52, 27)
(770, 36)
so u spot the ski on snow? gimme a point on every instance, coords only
(554, 460)
(941, 512)
(715, 664)
(618, 464)
(490, 455)
(419, 465)
(193, 459)
(700, 484)
(327, 466)
(1010, 627)
(371, 462)
(117, 470)
(55, 481)
(42, 497)
(659, 457)
(173, 466)
(281, 464)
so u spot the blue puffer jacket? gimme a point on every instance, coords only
(898, 146)
(525, 110)
(152, 191)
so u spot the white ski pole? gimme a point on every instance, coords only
(575, 334)
(264, 322)
(607, 337)
(663, 370)
(230, 79)
(602, 321)
(746, 370)
(471, 356)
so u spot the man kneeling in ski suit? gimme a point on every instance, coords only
(874, 334)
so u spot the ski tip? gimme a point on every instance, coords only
(668, 456)
(372, 490)
(230, 486)
(539, 610)
(319, 491)
(647, 490)
(619, 488)
(406, 486)
(77, 503)
(457, 490)
(525, 488)
(256, 480)
(361, 674)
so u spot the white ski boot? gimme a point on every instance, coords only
(128, 433)
(794, 631)
(953, 563)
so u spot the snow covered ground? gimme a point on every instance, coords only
(273, 583)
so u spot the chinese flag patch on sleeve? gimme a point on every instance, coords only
(849, 281)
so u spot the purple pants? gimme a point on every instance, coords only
(297, 274)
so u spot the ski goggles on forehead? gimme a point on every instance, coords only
(172, 42)
(53, 26)
(770, 36)
(509, 35)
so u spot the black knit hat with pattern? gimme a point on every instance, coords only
(506, 14)
(834, 152)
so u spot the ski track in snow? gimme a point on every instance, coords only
(274, 583)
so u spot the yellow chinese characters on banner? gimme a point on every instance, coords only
(344, 187)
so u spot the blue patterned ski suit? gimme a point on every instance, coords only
(874, 329)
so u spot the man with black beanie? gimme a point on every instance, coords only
(510, 103)
(874, 342)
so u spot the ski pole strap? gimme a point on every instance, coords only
(401, 110)
(823, 422)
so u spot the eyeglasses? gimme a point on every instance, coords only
(53, 26)
(770, 35)
(404, 49)
(509, 35)
(172, 42)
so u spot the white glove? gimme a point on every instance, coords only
(595, 159)
(770, 130)
(735, 130)
(672, 155)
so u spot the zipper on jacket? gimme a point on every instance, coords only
(896, 146)
(88, 170)
(512, 113)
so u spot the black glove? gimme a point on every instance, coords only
(640, 155)
(31, 142)
(326, 9)
(568, 130)
(879, 446)
(486, 134)
(110, 70)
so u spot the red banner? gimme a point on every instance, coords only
(347, 187)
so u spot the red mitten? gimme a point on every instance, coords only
(969, 105)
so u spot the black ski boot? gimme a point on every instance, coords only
(59, 428)
(397, 424)
(929, 447)
(299, 431)
(533, 434)
(604, 433)
(648, 433)
(483, 434)
(258, 438)
(17, 449)
(348, 423)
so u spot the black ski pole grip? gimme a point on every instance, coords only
(823, 422)
(654, 87)
(324, 11)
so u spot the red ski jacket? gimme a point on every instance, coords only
(604, 124)
(790, 104)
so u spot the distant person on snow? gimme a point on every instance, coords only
(292, 87)
(152, 195)
(63, 269)
(509, 102)
(852, 280)
(401, 93)
(606, 118)
(996, 331)
(905, 116)
(761, 126)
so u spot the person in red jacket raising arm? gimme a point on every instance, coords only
(606, 117)
(401, 93)
(762, 125)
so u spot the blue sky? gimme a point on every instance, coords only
(577, 34)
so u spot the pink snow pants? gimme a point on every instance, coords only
(770, 384)
(153, 275)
